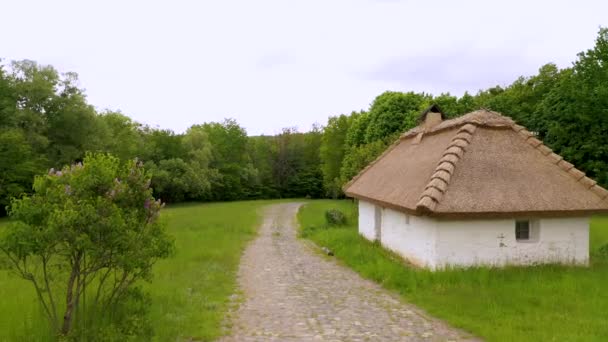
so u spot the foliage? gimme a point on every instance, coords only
(89, 225)
(358, 157)
(332, 151)
(541, 303)
(335, 217)
(393, 112)
(576, 110)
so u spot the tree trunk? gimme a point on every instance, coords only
(70, 299)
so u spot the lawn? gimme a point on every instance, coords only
(189, 292)
(543, 303)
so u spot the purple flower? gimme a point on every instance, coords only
(147, 203)
(68, 190)
(59, 173)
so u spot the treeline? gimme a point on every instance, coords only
(46, 122)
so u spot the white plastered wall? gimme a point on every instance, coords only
(412, 237)
(366, 220)
(440, 243)
(492, 242)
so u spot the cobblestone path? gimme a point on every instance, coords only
(291, 293)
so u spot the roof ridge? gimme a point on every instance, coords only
(440, 179)
(480, 117)
(559, 161)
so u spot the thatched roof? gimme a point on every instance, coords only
(481, 164)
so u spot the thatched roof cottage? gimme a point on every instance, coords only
(476, 190)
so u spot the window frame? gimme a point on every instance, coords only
(533, 230)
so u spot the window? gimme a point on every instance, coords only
(522, 230)
(527, 231)
(407, 219)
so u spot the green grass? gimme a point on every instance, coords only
(190, 291)
(542, 303)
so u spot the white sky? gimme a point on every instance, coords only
(274, 64)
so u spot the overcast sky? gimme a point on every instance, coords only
(274, 64)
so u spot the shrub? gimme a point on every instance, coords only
(334, 217)
(89, 228)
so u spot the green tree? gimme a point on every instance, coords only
(122, 137)
(175, 180)
(91, 224)
(229, 155)
(357, 157)
(332, 151)
(393, 112)
(18, 167)
(576, 111)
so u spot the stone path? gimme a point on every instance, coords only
(291, 293)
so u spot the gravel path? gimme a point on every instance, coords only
(291, 293)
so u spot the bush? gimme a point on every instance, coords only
(89, 228)
(334, 217)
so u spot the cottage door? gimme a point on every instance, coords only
(377, 223)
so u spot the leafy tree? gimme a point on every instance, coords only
(576, 110)
(161, 144)
(175, 180)
(89, 225)
(355, 135)
(393, 112)
(358, 157)
(18, 167)
(465, 104)
(447, 103)
(230, 158)
(121, 136)
(52, 106)
(332, 150)
(262, 151)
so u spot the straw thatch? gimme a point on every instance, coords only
(481, 164)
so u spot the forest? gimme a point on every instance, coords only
(46, 123)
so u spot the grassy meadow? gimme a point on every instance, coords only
(542, 303)
(190, 291)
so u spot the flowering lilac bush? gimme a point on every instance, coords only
(93, 224)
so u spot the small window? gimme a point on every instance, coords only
(527, 230)
(522, 230)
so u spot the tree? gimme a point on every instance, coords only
(576, 112)
(358, 157)
(393, 112)
(229, 156)
(18, 167)
(122, 137)
(175, 180)
(91, 224)
(332, 150)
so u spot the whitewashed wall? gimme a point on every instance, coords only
(366, 220)
(414, 241)
(439, 243)
(492, 242)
